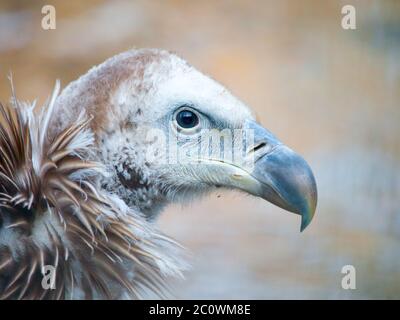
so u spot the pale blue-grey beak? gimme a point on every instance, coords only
(286, 179)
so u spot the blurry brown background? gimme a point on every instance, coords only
(331, 94)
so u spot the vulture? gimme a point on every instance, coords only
(84, 177)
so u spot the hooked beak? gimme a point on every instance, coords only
(269, 170)
(285, 178)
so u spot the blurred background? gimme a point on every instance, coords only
(331, 94)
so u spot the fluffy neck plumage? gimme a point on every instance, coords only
(130, 176)
(53, 214)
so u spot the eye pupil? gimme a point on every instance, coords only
(187, 119)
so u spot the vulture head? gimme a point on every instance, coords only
(168, 133)
(81, 178)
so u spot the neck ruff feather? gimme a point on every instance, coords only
(53, 213)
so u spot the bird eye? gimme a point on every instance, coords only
(187, 119)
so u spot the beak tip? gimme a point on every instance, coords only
(304, 223)
(306, 218)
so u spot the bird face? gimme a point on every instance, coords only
(190, 135)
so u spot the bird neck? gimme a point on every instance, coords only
(140, 196)
(130, 176)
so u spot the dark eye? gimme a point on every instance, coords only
(187, 119)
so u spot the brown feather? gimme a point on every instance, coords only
(90, 250)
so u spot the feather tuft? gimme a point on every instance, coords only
(52, 212)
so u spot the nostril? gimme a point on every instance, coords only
(258, 146)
